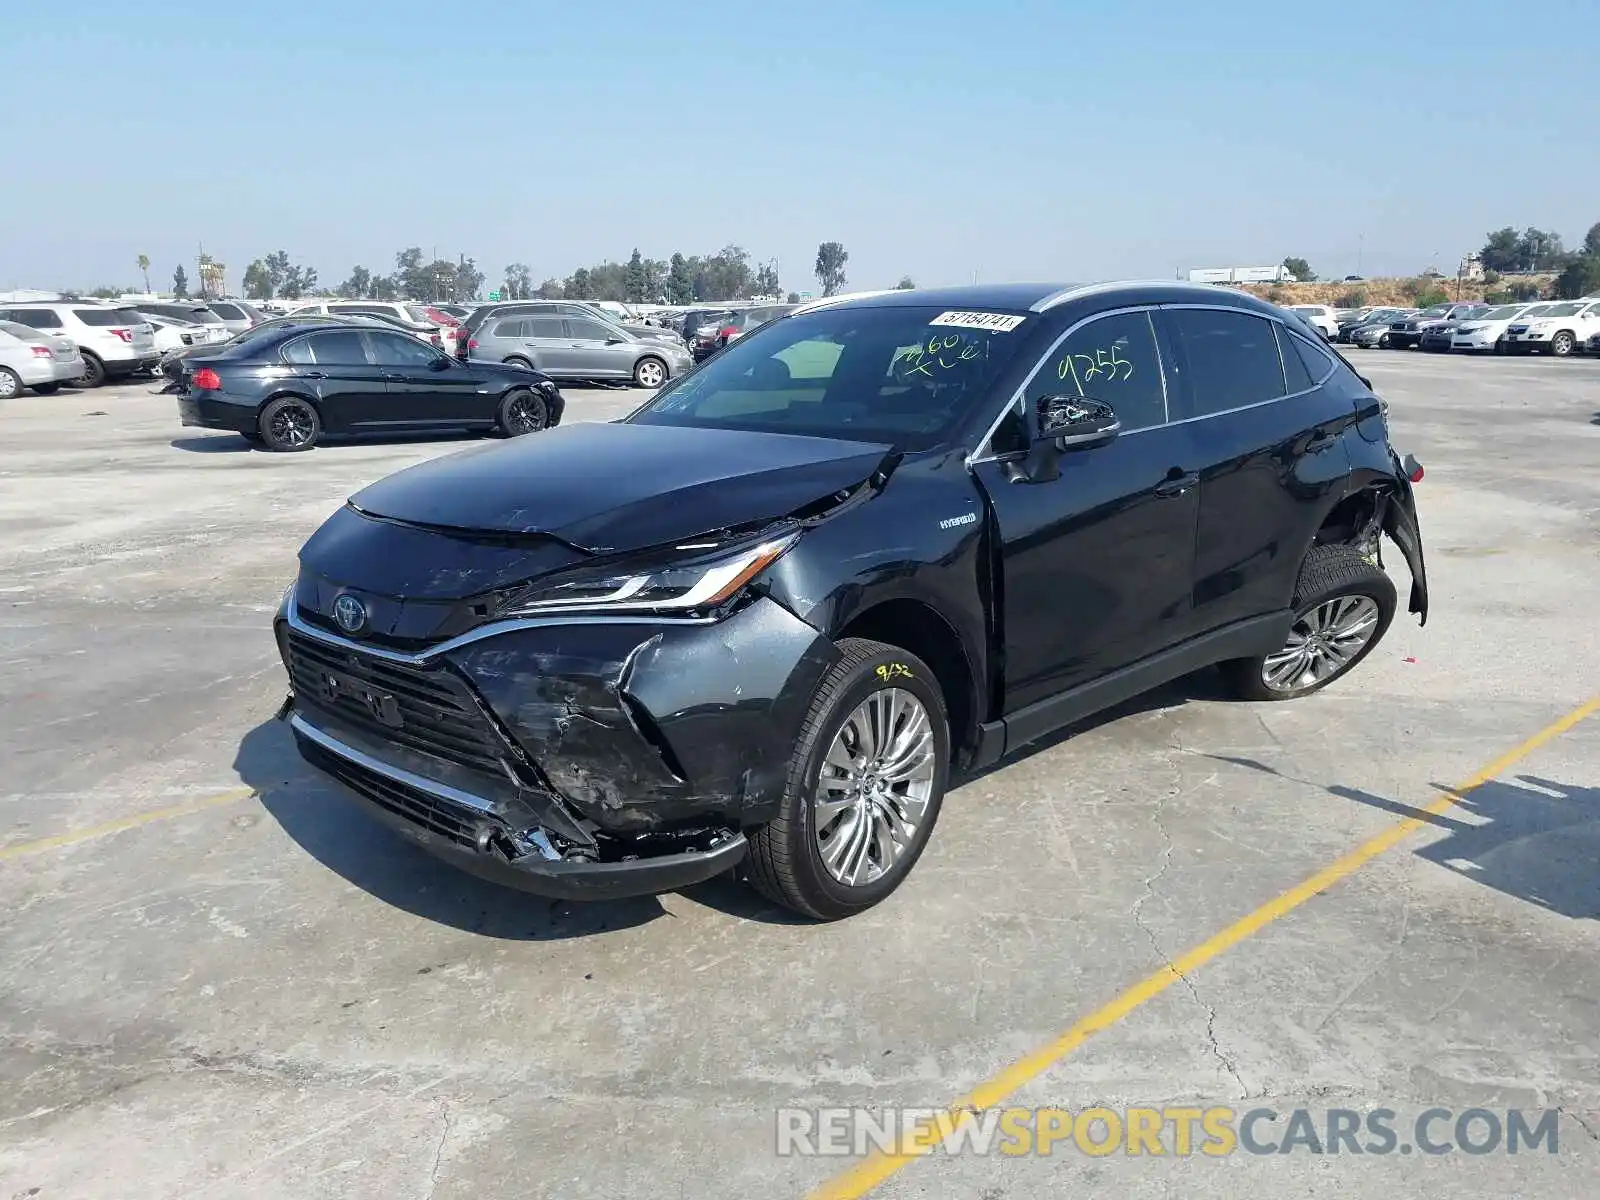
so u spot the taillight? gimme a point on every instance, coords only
(207, 380)
(434, 338)
(125, 334)
(726, 331)
(41, 352)
(472, 343)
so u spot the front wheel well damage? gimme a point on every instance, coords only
(913, 626)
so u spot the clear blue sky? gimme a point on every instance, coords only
(1048, 140)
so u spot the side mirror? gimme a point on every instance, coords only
(442, 363)
(1072, 422)
(614, 341)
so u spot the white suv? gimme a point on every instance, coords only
(1559, 329)
(1486, 333)
(1320, 317)
(114, 341)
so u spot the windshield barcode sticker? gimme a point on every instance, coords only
(999, 322)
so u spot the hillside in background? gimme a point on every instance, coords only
(1401, 292)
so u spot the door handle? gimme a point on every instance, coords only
(1321, 441)
(393, 377)
(313, 374)
(1176, 485)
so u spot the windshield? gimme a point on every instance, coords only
(1438, 310)
(1504, 313)
(905, 376)
(1562, 310)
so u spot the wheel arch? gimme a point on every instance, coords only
(919, 628)
(295, 394)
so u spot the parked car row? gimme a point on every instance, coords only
(1555, 327)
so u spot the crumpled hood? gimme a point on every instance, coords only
(611, 488)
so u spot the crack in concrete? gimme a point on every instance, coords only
(1582, 1124)
(438, 1151)
(1137, 913)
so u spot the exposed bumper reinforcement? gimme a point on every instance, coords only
(459, 828)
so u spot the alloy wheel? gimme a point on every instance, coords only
(1322, 643)
(1561, 344)
(10, 385)
(649, 374)
(874, 787)
(291, 426)
(525, 414)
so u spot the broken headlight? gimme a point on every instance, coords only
(689, 578)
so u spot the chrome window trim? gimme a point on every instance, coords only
(1020, 395)
(494, 629)
(977, 456)
(378, 767)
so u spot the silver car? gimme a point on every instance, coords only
(236, 314)
(35, 358)
(577, 348)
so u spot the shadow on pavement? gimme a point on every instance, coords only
(1530, 837)
(233, 443)
(316, 814)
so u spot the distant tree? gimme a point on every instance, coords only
(550, 289)
(794, 298)
(1300, 269)
(767, 279)
(1580, 278)
(411, 274)
(577, 285)
(1591, 240)
(1490, 277)
(383, 288)
(1354, 298)
(1500, 251)
(728, 275)
(1430, 296)
(277, 268)
(358, 286)
(104, 293)
(831, 260)
(655, 279)
(680, 283)
(180, 283)
(1540, 250)
(297, 282)
(144, 269)
(906, 284)
(468, 279)
(257, 285)
(634, 279)
(518, 283)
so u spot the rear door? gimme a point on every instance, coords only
(336, 367)
(426, 387)
(1097, 564)
(1271, 459)
(545, 341)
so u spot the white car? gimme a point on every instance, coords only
(1559, 330)
(1484, 334)
(432, 325)
(175, 335)
(113, 341)
(29, 358)
(1320, 317)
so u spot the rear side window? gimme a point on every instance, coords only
(1112, 359)
(417, 313)
(37, 318)
(1318, 362)
(509, 329)
(1232, 359)
(1296, 372)
(343, 347)
(229, 312)
(107, 318)
(543, 327)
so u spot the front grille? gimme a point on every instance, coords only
(421, 808)
(426, 710)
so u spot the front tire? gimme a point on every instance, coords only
(1343, 606)
(864, 786)
(1561, 345)
(1383, 341)
(649, 373)
(522, 412)
(288, 425)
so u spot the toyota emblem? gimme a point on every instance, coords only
(350, 613)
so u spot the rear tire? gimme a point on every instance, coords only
(47, 389)
(1343, 605)
(10, 384)
(864, 786)
(94, 372)
(288, 425)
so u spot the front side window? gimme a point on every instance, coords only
(589, 331)
(903, 376)
(228, 312)
(1232, 359)
(1112, 359)
(548, 328)
(398, 350)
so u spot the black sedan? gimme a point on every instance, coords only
(284, 389)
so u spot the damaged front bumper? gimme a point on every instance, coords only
(580, 758)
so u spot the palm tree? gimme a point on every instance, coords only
(144, 268)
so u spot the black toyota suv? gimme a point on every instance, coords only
(758, 623)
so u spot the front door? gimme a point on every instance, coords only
(1097, 564)
(1266, 433)
(426, 387)
(600, 351)
(336, 366)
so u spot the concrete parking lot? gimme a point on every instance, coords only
(217, 980)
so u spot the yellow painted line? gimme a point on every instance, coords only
(73, 837)
(867, 1174)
